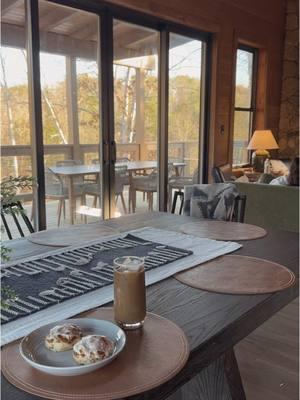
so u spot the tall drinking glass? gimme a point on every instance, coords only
(129, 292)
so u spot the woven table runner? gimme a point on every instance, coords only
(65, 282)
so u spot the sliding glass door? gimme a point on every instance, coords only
(185, 111)
(16, 132)
(99, 150)
(70, 107)
(135, 68)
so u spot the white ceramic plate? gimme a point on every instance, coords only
(35, 353)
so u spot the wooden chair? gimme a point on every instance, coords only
(17, 212)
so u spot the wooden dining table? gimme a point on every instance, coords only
(72, 171)
(213, 323)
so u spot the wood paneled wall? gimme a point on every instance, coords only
(256, 22)
(289, 110)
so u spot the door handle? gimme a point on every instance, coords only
(105, 152)
(113, 152)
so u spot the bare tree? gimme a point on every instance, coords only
(10, 127)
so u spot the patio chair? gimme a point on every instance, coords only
(67, 163)
(147, 184)
(78, 180)
(94, 189)
(56, 190)
(178, 183)
(17, 212)
(93, 178)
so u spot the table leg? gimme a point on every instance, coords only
(130, 192)
(221, 380)
(71, 199)
(233, 376)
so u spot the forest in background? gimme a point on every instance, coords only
(184, 102)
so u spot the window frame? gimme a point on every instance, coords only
(106, 13)
(252, 108)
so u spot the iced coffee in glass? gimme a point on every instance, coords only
(129, 292)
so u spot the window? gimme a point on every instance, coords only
(94, 86)
(185, 70)
(244, 107)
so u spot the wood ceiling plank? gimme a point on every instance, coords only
(7, 5)
(55, 17)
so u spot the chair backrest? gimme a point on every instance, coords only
(53, 183)
(67, 163)
(123, 160)
(239, 206)
(216, 201)
(70, 163)
(17, 212)
(222, 173)
(121, 176)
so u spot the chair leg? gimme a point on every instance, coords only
(123, 203)
(95, 202)
(64, 208)
(133, 200)
(83, 202)
(60, 206)
(181, 203)
(150, 207)
(174, 202)
(170, 198)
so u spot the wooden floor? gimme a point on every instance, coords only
(269, 357)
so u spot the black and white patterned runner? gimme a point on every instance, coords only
(47, 280)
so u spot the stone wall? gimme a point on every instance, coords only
(288, 139)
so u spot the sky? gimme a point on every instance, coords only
(53, 66)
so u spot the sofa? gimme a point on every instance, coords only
(271, 206)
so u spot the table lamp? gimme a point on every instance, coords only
(261, 142)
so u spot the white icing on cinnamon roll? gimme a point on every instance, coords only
(63, 337)
(92, 348)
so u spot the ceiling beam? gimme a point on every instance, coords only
(54, 17)
(131, 36)
(86, 32)
(7, 5)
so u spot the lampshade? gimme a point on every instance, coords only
(262, 140)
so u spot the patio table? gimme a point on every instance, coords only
(212, 322)
(72, 171)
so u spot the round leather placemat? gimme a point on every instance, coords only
(222, 230)
(238, 275)
(77, 234)
(151, 356)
